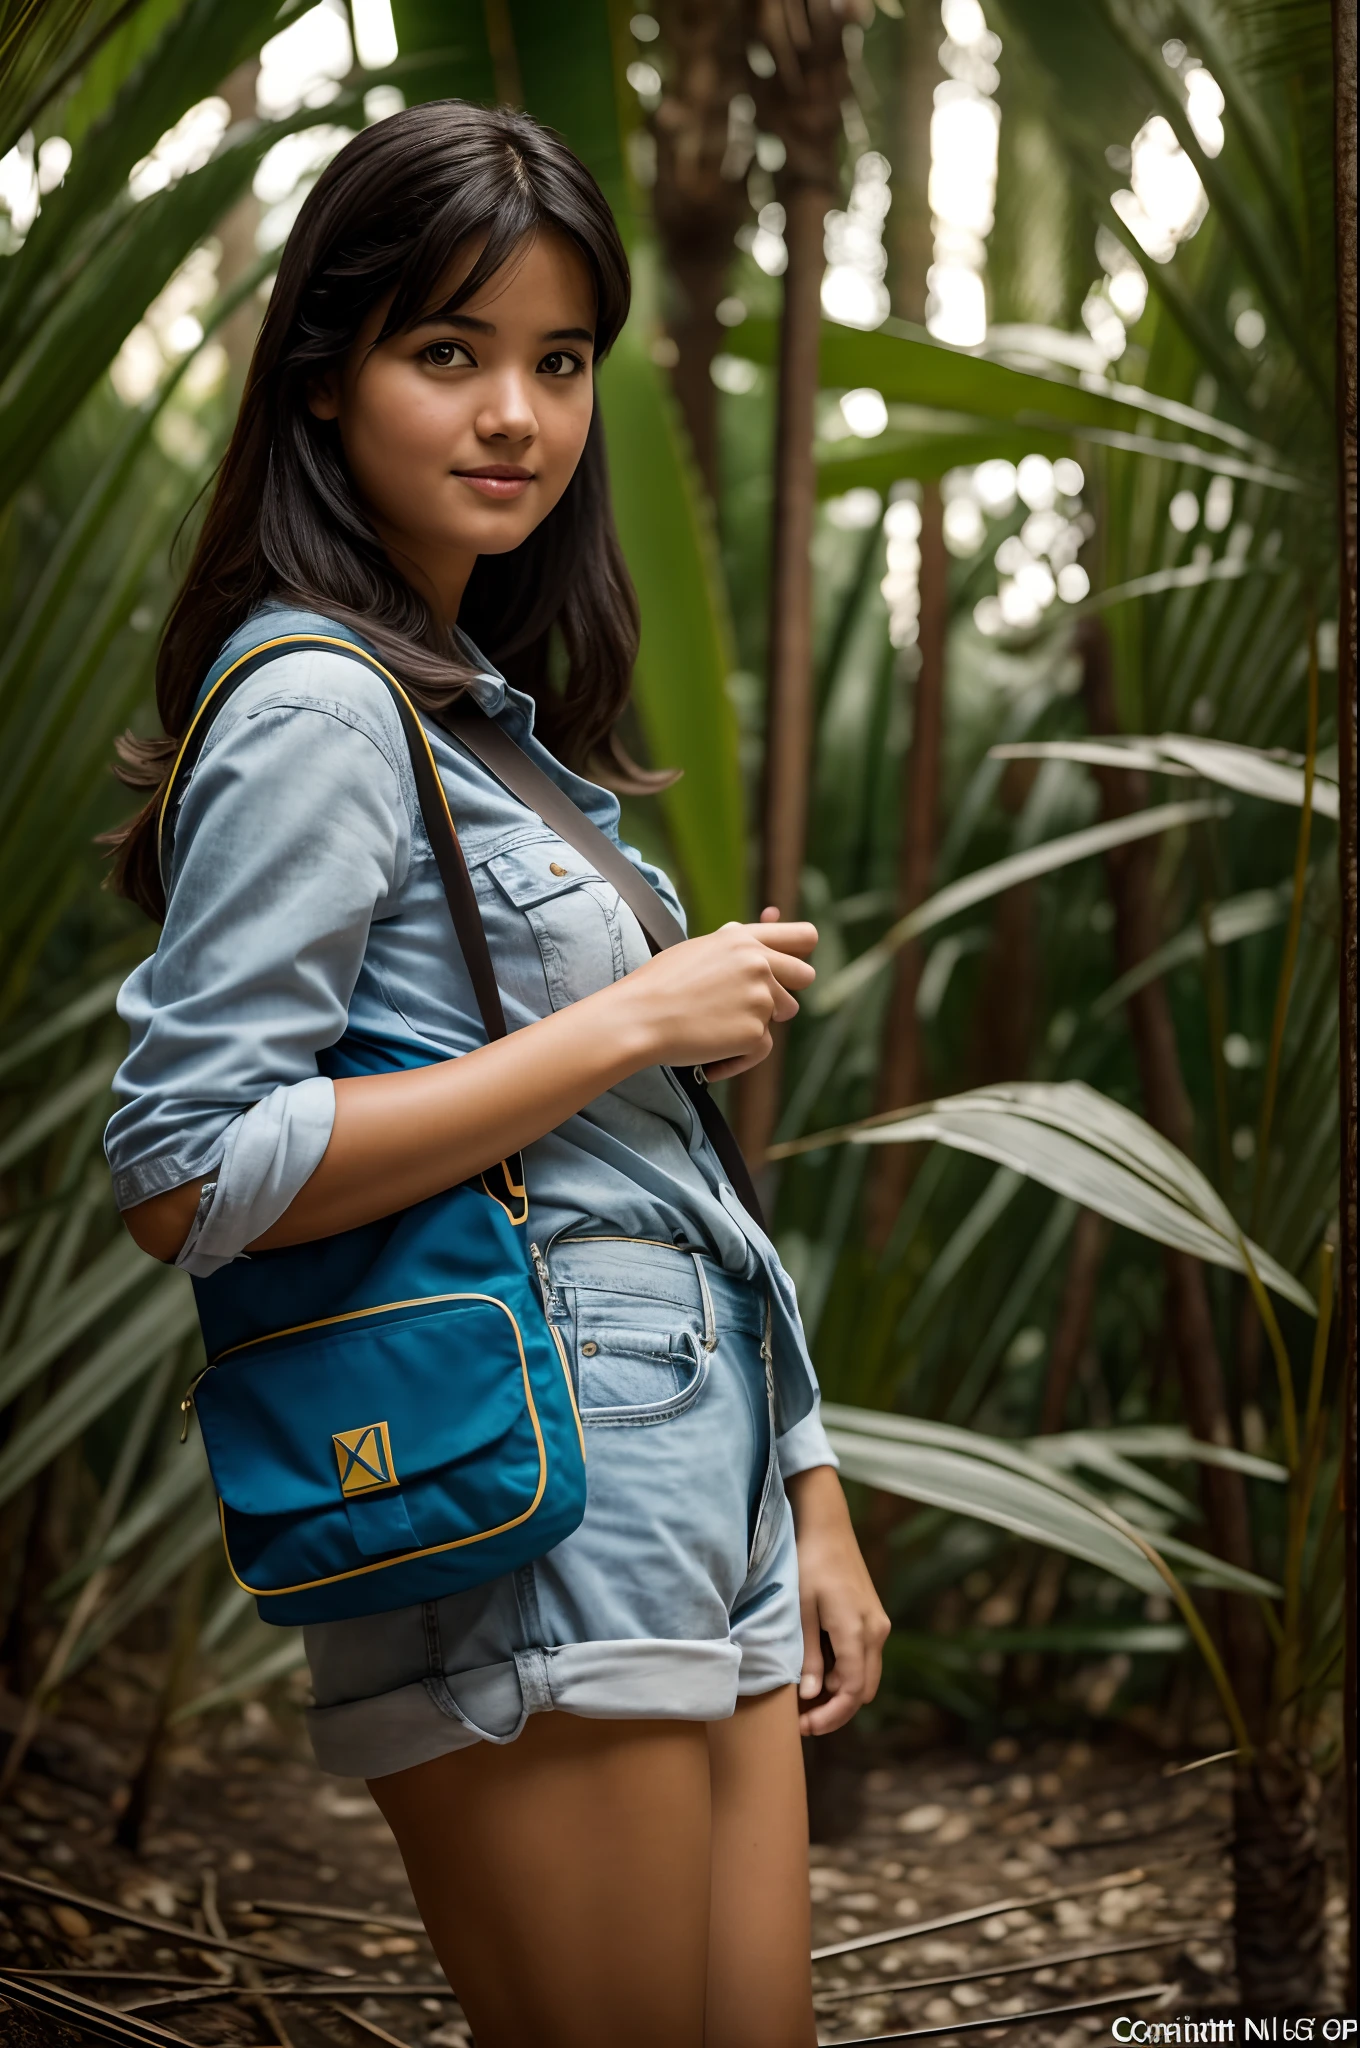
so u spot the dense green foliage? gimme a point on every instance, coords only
(1217, 631)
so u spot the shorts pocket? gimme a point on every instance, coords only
(627, 1377)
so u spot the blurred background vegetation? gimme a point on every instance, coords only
(975, 453)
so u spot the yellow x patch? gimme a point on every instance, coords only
(365, 1458)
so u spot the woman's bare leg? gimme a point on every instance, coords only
(564, 1881)
(760, 1930)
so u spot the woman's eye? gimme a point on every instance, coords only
(561, 364)
(448, 355)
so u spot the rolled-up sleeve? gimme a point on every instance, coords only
(293, 835)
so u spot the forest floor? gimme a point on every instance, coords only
(1075, 1877)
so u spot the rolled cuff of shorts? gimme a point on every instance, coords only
(641, 1679)
(269, 1153)
(805, 1445)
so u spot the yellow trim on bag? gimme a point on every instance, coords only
(351, 1315)
(434, 1549)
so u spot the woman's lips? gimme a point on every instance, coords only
(496, 482)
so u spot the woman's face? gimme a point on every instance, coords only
(462, 433)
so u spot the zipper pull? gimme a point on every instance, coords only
(544, 1279)
(187, 1404)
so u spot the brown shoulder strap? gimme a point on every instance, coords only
(495, 749)
(439, 825)
(509, 763)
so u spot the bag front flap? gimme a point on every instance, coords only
(312, 1419)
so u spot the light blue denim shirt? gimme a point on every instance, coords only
(305, 902)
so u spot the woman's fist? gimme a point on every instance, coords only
(710, 1002)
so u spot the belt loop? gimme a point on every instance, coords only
(710, 1322)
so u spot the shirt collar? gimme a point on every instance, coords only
(491, 693)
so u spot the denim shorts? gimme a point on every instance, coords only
(677, 1594)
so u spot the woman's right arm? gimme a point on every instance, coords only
(295, 834)
(398, 1138)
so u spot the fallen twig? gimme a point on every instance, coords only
(113, 1976)
(104, 2022)
(1220, 1756)
(357, 2019)
(400, 1923)
(250, 1969)
(987, 1912)
(187, 1935)
(371, 1987)
(1052, 1961)
(1015, 2019)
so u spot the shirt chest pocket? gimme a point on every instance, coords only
(585, 937)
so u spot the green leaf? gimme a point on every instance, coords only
(1241, 917)
(162, 1318)
(973, 1486)
(910, 368)
(1167, 1441)
(83, 1009)
(680, 685)
(204, 41)
(289, 1655)
(936, 1462)
(892, 456)
(1251, 770)
(141, 246)
(183, 1474)
(1002, 875)
(192, 1534)
(1095, 1151)
(118, 1268)
(1080, 1639)
(56, 1109)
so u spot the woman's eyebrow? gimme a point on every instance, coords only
(443, 319)
(439, 318)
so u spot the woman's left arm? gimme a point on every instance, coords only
(838, 1599)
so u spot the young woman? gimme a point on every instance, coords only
(591, 1765)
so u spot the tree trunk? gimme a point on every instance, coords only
(902, 1074)
(1344, 40)
(1137, 930)
(699, 200)
(801, 104)
(902, 1066)
(1090, 1237)
(1280, 1885)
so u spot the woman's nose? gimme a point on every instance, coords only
(507, 412)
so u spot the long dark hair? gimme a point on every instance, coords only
(285, 520)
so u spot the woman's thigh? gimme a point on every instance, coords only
(564, 1880)
(760, 1926)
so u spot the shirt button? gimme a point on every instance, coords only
(555, 867)
(589, 1350)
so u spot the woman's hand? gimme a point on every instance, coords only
(399, 1138)
(838, 1599)
(710, 1002)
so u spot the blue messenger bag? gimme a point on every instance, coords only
(388, 1414)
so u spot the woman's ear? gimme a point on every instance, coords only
(323, 395)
